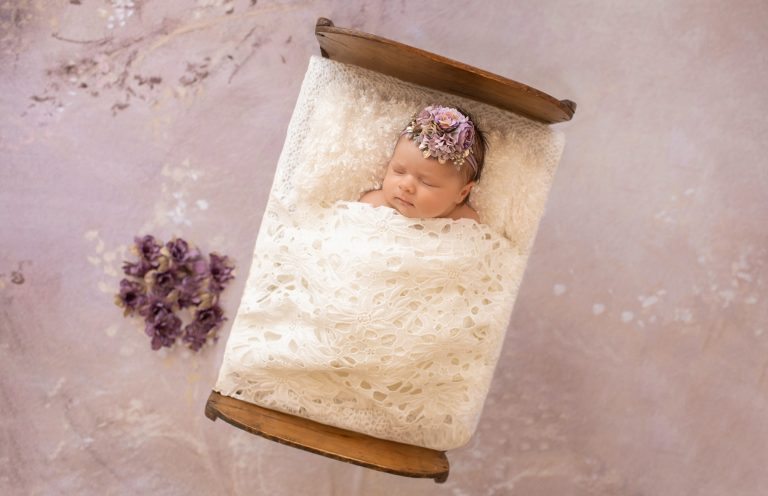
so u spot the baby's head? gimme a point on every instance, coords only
(437, 160)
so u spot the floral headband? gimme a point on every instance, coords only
(443, 133)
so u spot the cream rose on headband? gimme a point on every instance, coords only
(448, 118)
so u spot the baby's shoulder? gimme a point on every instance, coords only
(465, 212)
(374, 197)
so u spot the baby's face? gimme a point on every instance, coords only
(422, 187)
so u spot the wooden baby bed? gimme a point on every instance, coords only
(443, 74)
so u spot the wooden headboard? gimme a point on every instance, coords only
(434, 71)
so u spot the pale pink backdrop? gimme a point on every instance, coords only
(637, 358)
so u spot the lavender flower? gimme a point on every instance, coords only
(188, 292)
(155, 308)
(179, 250)
(148, 248)
(198, 268)
(206, 321)
(163, 283)
(132, 296)
(138, 269)
(182, 256)
(195, 336)
(164, 330)
(220, 272)
(210, 317)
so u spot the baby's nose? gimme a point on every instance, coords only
(407, 183)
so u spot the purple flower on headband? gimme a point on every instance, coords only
(424, 116)
(465, 135)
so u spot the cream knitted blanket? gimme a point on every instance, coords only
(358, 317)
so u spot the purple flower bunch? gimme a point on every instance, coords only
(169, 278)
(443, 133)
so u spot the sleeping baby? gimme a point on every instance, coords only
(436, 161)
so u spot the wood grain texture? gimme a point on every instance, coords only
(437, 72)
(333, 442)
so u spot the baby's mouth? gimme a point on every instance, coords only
(405, 202)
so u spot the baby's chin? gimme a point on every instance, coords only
(409, 215)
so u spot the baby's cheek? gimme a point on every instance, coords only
(433, 196)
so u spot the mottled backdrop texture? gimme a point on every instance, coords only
(636, 362)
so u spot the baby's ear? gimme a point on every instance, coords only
(465, 190)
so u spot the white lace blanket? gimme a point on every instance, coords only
(358, 317)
